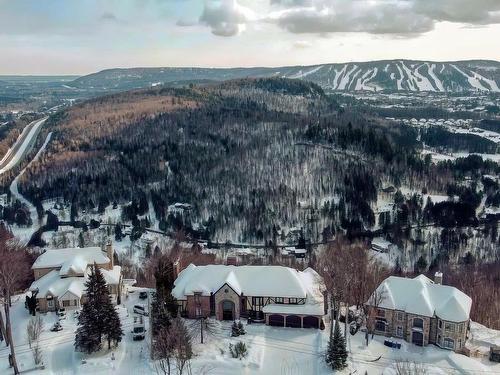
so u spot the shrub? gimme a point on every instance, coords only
(239, 350)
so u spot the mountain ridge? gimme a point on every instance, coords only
(401, 75)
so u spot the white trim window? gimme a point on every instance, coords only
(399, 331)
(449, 343)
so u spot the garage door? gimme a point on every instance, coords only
(276, 320)
(310, 322)
(293, 321)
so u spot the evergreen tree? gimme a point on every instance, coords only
(118, 232)
(88, 337)
(81, 240)
(112, 324)
(98, 316)
(160, 317)
(336, 355)
(235, 332)
(241, 329)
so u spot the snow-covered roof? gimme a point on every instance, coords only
(71, 258)
(381, 242)
(112, 277)
(57, 286)
(422, 296)
(262, 281)
(314, 300)
(53, 284)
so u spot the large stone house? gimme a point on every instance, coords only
(421, 311)
(276, 295)
(60, 276)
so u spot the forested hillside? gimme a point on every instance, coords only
(256, 161)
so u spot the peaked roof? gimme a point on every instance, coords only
(262, 281)
(71, 259)
(55, 285)
(422, 296)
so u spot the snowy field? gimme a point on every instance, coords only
(272, 350)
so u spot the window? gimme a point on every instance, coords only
(198, 311)
(279, 300)
(449, 343)
(460, 327)
(418, 323)
(399, 331)
(381, 312)
(66, 303)
(380, 326)
(459, 343)
(440, 324)
(293, 301)
(257, 303)
(450, 327)
(400, 316)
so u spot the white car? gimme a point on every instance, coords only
(141, 310)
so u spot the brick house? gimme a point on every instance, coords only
(60, 276)
(276, 295)
(421, 311)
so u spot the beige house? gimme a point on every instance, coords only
(278, 296)
(60, 276)
(421, 311)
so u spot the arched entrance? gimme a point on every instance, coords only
(276, 320)
(417, 338)
(310, 322)
(293, 321)
(227, 310)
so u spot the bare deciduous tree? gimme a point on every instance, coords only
(33, 332)
(172, 349)
(14, 273)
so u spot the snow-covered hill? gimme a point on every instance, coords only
(388, 75)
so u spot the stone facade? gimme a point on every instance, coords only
(226, 293)
(420, 329)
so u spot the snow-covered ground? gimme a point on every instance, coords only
(272, 350)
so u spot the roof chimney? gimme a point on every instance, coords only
(438, 278)
(110, 253)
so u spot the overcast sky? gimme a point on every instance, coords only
(84, 36)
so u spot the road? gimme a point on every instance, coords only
(22, 146)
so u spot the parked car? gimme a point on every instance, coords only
(141, 310)
(143, 295)
(139, 331)
(56, 327)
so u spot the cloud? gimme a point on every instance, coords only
(226, 17)
(376, 17)
(186, 22)
(404, 18)
(108, 16)
(301, 44)
(478, 12)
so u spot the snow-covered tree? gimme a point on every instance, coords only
(98, 317)
(336, 354)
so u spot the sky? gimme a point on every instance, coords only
(85, 36)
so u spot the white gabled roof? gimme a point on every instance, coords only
(314, 300)
(422, 296)
(53, 284)
(71, 258)
(261, 281)
(57, 286)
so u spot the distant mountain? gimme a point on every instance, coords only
(388, 75)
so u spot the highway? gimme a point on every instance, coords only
(22, 146)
